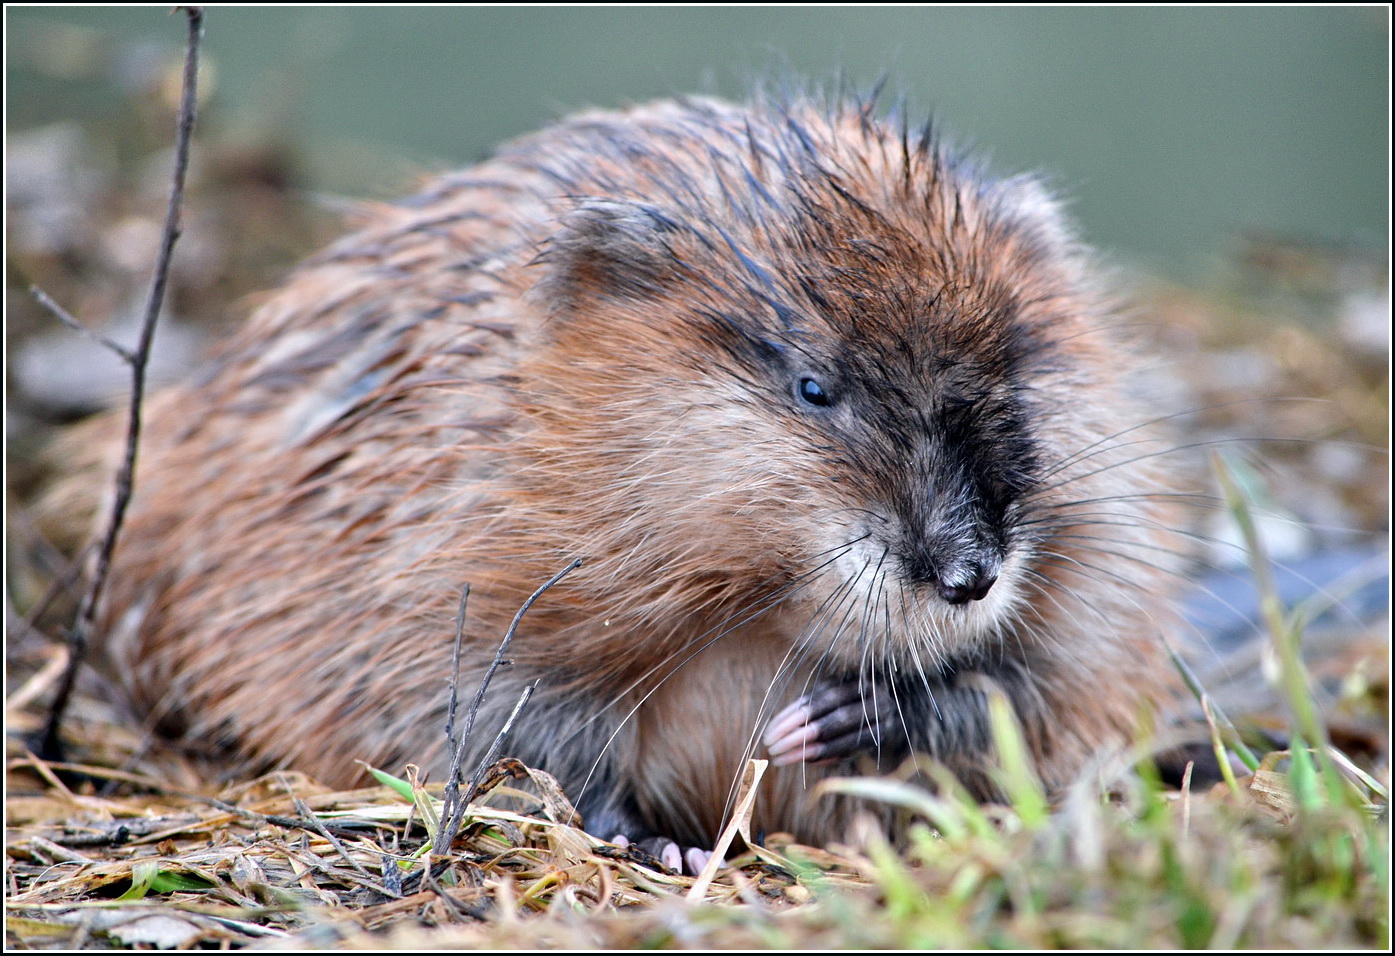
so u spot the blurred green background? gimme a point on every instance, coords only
(1171, 130)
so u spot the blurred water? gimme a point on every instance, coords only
(1171, 129)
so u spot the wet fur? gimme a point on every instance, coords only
(593, 346)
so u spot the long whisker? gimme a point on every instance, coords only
(1104, 444)
(694, 647)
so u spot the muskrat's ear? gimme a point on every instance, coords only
(608, 249)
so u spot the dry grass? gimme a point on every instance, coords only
(128, 857)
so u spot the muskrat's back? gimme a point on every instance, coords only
(833, 418)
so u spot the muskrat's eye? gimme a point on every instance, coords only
(813, 393)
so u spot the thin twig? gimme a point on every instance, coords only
(504, 644)
(80, 633)
(455, 673)
(309, 823)
(454, 814)
(319, 866)
(303, 808)
(450, 799)
(458, 907)
(453, 802)
(492, 754)
(64, 581)
(62, 315)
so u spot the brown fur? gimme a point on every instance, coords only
(567, 352)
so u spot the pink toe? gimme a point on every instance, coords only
(795, 715)
(795, 739)
(696, 859)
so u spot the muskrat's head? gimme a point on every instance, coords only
(806, 360)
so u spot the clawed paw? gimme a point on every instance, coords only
(832, 721)
(691, 860)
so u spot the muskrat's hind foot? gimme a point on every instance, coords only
(691, 860)
(836, 720)
(616, 820)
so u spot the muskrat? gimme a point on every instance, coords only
(840, 425)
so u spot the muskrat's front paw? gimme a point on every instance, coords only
(830, 722)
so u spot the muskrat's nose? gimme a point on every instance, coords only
(976, 590)
(958, 574)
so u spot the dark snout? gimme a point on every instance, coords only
(981, 579)
(952, 534)
(959, 574)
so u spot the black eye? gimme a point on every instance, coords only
(813, 393)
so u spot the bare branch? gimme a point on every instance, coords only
(453, 805)
(454, 802)
(60, 313)
(508, 638)
(492, 754)
(455, 684)
(79, 635)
